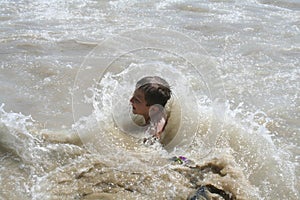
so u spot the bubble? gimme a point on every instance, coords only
(109, 75)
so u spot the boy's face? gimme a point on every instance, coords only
(139, 104)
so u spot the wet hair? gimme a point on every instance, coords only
(156, 90)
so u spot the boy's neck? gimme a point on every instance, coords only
(147, 119)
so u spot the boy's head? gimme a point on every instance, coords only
(149, 91)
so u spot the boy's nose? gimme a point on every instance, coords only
(131, 100)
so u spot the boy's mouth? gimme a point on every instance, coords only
(133, 110)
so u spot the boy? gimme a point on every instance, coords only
(149, 99)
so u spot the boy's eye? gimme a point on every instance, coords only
(136, 100)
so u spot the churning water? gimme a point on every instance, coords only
(68, 69)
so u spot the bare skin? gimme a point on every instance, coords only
(151, 114)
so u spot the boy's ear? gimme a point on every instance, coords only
(154, 108)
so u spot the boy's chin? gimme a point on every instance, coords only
(135, 112)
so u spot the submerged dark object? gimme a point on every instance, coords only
(206, 192)
(200, 194)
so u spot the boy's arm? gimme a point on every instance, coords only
(156, 128)
(160, 127)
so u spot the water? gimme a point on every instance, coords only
(234, 68)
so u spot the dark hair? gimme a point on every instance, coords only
(156, 90)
